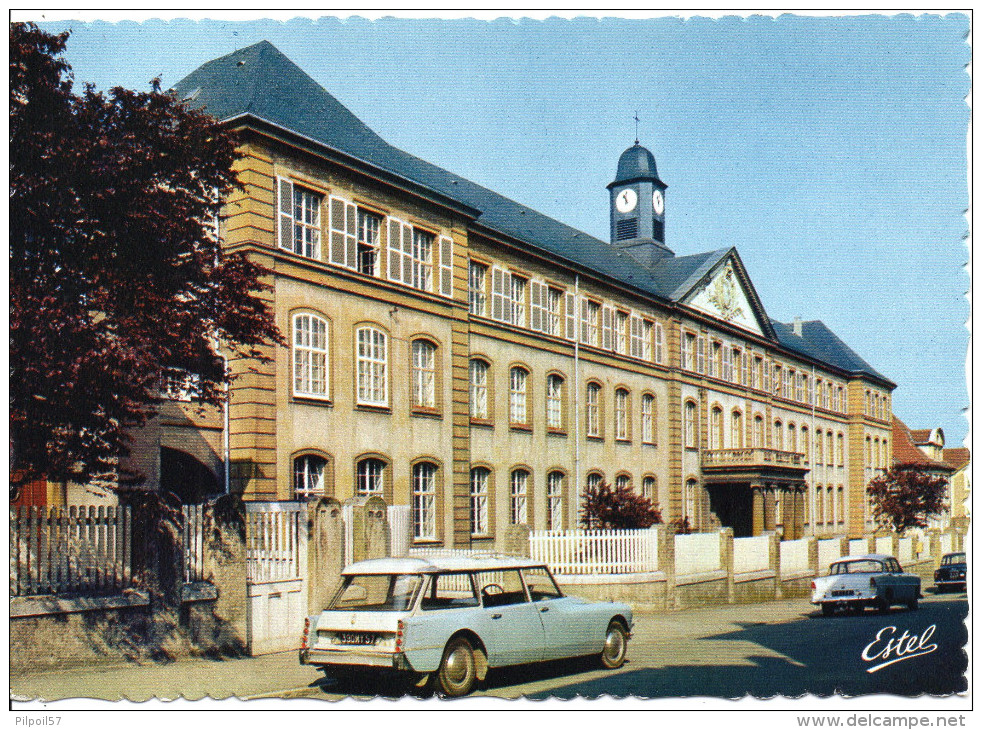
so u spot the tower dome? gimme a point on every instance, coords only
(636, 163)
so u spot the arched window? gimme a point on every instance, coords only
(622, 411)
(479, 398)
(736, 430)
(716, 428)
(758, 432)
(691, 425)
(310, 372)
(778, 436)
(623, 481)
(554, 401)
(518, 396)
(649, 488)
(424, 374)
(594, 479)
(518, 512)
(424, 501)
(370, 477)
(829, 448)
(805, 444)
(689, 502)
(479, 495)
(819, 453)
(648, 416)
(309, 475)
(792, 438)
(593, 410)
(555, 482)
(371, 362)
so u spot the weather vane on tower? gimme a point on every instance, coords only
(636, 120)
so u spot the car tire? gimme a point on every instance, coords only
(912, 604)
(615, 645)
(882, 605)
(458, 668)
(828, 609)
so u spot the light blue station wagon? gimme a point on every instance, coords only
(451, 618)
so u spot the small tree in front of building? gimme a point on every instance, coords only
(617, 508)
(906, 497)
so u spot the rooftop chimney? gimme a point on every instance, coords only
(796, 326)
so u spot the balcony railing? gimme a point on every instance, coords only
(750, 456)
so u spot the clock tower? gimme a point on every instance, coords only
(637, 207)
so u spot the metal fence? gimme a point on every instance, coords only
(193, 542)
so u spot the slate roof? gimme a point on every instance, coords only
(259, 81)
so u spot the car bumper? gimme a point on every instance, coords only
(361, 658)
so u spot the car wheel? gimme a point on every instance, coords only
(912, 604)
(458, 669)
(828, 609)
(882, 605)
(615, 646)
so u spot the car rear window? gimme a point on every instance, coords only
(857, 566)
(389, 592)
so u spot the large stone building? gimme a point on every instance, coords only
(456, 351)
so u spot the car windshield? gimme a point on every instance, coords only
(857, 566)
(953, 559)
(377, 593)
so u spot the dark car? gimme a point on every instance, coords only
(952, 572)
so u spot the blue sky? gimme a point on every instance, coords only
(830, 151)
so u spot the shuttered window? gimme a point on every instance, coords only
(299, 228)
(500, 295)
(344, 233)
(659, 343)
(446, 266)
(570, 305)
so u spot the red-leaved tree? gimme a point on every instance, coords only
(620, 508)
(906, 497)
(117, 277)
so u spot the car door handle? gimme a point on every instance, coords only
(495, 615)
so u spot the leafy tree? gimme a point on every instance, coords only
(620, 508)
(906, 496)
(117, 277)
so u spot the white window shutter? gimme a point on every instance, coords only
(536, 305)
(338, 231)
(570, 316)
(446, 266)
(608, 327)
(497, 294)
(701, 354)
(395, 250)
(351, 235)
(284, 190)
(407, 254)
(659, 343)
(584, 320)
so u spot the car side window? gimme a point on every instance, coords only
(500, 587)
(449, 590)
(540, 584)
(894, 566)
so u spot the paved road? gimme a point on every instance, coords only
(779, 648)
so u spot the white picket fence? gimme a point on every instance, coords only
(272, 541)
(595, 552)
(193, 542)
(64, 550)
(399, 530)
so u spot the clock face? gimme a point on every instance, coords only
(626, 200)
(658, 202)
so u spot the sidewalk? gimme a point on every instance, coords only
(191, 679)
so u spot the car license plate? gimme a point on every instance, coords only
(358, 639)
(843, 593)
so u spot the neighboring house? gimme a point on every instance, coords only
(924, 448)
(961, 485)
(458, 352)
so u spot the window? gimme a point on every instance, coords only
(449, 590)
(840, 448)
(701, 354)
(424, 501)
(308, 475)
(554, 402)
(689, 502)
(805, 444)
(423, 259)
(541, 585)
(648, 418)
(478, 290)
(518, 301)
(647, 331)
(554, 500)
(688, 351)
(778, 436)
(479, 389)
(659, 343)
(736, 430)
(373, 388)
(300, 220)
(622, 414)
(649, 488)
(829, 452)
(370, 477)
(518, 513)
(622, 481)
(369, 260)
(508, 589)
(620, 332)
(716, 361)
(799, 387)
(792, 438)
(756, 368)
(758, 432)
(553, 315)
(518, 396)
(691, 425)
(819, 454)
(480, 477)
(594, 479)
(424, 374)
(309, 356)
(716, 428)
(592, 323)
(593, 410)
